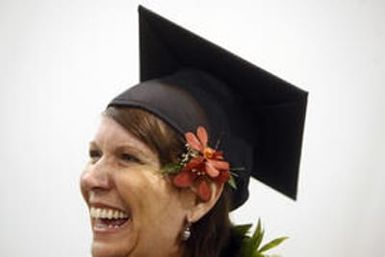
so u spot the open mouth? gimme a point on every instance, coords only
(107, 219)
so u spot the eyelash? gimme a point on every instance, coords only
(129, 158)
(94, 154)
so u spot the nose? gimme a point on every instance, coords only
(95, 178)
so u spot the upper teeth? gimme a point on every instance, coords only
(102, 213)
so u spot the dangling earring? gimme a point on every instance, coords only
(186, 232)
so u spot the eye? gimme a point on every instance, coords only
(129, 158)
(94, 155)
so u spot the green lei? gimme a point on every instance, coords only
(252, 244)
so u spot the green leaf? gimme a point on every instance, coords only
(241, 230)
(171, 168)
(250, 244)
(257, 236)
(258, 240)
(232, 182)
(272, 244)
(258, 229)
(257, 254)
(247, 247)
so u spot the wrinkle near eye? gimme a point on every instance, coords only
(128, 157)
(142, 157)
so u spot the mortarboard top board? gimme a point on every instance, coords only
(257, 117)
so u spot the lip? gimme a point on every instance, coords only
(100, 230)
(108, 230)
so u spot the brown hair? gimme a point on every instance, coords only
(211, 234)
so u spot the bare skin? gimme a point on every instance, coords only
(123, 175)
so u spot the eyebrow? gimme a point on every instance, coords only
(125, 147)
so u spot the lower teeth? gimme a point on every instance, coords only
(106, 223)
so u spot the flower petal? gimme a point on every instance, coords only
(184, 179)
(202, 135)
(195, 162)
(193, 141)
(204, 190)
(211, 170)
(218, 155)
(223, 177)
(220, 165)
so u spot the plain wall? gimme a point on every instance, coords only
(62, 61)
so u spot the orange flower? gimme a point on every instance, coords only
(207, 165)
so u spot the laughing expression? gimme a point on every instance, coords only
(134, 210)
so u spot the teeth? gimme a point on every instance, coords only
(109, 216)
(102, 213)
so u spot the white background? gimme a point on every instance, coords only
(62, 61)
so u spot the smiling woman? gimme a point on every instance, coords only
(131, 199)
(134, 210)
(173, 155)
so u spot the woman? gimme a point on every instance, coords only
(135, 209)
(173, 155)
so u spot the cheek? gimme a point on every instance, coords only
(158, 212)
(149, 193)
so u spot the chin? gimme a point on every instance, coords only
(114, 242)
(104, 249)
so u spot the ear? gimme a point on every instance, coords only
(200, 208)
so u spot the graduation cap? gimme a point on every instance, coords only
(188, 82)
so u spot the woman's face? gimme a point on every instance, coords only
(134, 210)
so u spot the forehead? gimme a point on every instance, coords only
(111, 134)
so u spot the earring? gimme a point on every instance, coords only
(186, 232)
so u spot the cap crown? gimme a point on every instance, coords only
(188, 81)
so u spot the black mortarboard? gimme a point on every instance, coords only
(188, 81)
